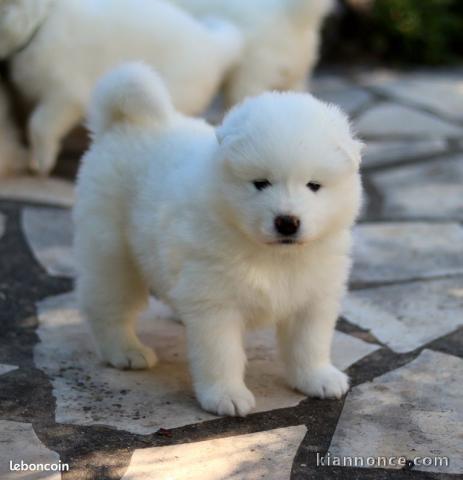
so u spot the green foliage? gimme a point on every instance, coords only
(418, 31)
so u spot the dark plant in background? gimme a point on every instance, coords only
(397, 31)
(428, 31)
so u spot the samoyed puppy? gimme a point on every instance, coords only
(281, 42)
(245, 225)
(58, 49)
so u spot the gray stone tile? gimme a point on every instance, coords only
(2, 224)
(51, 191)
(414, 411)
(392, 120)
(431, 190)
(49, 234)
(408, 316)
(340, 92)
(387, 252)
(328, 83)
(387, 152)
(18, 442)
(89, 393)
(4, 368)
(348, 350)
(350, 100)
(268, 455)
(441, 92)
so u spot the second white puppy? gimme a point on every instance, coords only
(246, 225)
(58, 49)
(281, 42)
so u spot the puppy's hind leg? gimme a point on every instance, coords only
(111, 294)
(52, 119)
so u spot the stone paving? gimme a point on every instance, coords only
(400, 336)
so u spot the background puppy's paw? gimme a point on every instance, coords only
(323, 382)
(134, 357)
(232, 400)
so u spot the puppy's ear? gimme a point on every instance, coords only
(228, 132)
(227, 136)
(352, 148)
(344, 135)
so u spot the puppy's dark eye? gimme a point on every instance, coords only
(261, 184)
(314, 186)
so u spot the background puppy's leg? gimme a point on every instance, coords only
(217, 359)
(112, 294)
(305, 343)
(52, 119)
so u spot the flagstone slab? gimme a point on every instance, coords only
(4, 368)
(268, 455)
(441, 92)
(322, 83)
(49, 234)
(408, 316)
(381, 153)
(88, 393)
(347, 350)
(339, 91)
(52, 191)
(350, 100)
(431, 190)
(2, 224)
(414, 411)
(399, 251)
(18, 442)
(389, 119)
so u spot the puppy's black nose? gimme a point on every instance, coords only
(287, 225)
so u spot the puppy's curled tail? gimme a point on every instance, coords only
(132, 93)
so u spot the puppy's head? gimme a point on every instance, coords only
(290, 169)
(19, 19)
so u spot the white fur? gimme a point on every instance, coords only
(282, 41)
(13, 157)
(167, 204)
(78, 40)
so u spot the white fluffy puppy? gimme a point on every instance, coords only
(233, 228)
(281, 41)
(13, 157)
(58, 49)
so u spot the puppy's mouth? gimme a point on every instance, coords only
(286, 241)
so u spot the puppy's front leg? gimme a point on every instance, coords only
(217, 359)
(49, 123)
(305, 342)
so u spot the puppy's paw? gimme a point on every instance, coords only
(232, 400)
(323, 382)
(133, 357)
